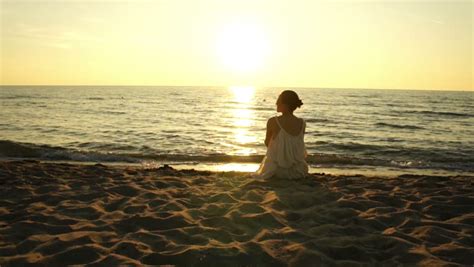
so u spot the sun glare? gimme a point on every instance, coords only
(238, 167)
(242, 46)
(243, 94)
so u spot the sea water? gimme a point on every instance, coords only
(201, 126)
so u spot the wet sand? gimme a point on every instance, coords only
(60, 214)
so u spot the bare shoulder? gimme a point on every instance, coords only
(299, 120)
(271, 121)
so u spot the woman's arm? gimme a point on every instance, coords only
(268, 136)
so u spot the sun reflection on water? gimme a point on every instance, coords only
(243, 119)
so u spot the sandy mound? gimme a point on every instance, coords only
(59, 214)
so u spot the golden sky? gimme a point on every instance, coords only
(401, 44)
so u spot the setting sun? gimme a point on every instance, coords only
(242, 46)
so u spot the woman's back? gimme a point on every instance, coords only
(290, 124)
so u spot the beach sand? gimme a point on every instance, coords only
(56, 214)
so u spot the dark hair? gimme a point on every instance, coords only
(291, 99)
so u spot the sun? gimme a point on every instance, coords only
(242, 46)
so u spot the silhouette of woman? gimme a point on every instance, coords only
(286, 152)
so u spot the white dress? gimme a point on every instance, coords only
(285, 156)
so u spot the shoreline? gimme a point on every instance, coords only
(62, 213)
(249, 167)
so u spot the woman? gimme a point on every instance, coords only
(286, 151)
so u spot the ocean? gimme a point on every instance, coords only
(347, 129)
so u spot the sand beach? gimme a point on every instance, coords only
(57, 214)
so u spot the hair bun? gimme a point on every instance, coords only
(300, 103)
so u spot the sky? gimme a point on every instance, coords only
(397, 44)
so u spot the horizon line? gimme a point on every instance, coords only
(243, 85)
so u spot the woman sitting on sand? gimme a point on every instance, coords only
(286, 151)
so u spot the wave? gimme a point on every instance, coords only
(18, 150)
(440, 113)
(95, 98)
(317, 120)
(398, 126)
(350, 146)
(10, 149)
(23, 97)
(261, 108)
(114, 112)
